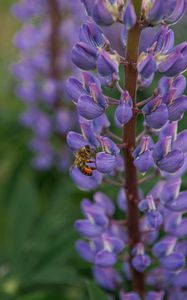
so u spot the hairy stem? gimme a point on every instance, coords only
(129, 137)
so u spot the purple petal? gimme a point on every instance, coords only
(165, 246)
(105, 163)
(75, 140)
(172, 162)
(105, 202)
(84, 57)
(87, 229)
(107, 278)
(85, 251)
(88, 109)
(173, 262)
(170, 191)
(141, 262)
(154, 296)
(84, 182)
(105, 258)
(144, 162)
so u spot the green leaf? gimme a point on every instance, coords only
(95, 293)
(21, 216)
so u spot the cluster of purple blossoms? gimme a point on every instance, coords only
(141, 256)
(44, 43)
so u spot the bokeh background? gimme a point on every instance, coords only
(38, 260)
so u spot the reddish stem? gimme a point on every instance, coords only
(129, 137)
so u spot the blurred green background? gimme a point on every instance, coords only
(37, 211)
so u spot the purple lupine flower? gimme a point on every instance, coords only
(41, 71)
(154, 237)
(153, 216)
(140, 260)
(143, 159)
(156, 113)
(124, 110)
(129, 296)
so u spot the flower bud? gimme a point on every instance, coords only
(122, 200)
(129, 17)
(124, 112)
(141, 260)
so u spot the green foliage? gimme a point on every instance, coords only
(94, 292)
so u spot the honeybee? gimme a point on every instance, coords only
(83, 156)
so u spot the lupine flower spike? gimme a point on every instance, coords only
(136, 244)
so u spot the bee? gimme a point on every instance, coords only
(83, 156)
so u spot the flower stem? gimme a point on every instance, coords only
(129, 137)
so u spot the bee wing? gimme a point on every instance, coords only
(72, 167)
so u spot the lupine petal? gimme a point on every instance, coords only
(177, 108)
(84, 250)
(105, 258)
(172, 162)
(74, 89)
(84, 182)
(165, 246)
(144, 162)
(105, 202)
(92, 35)
(105, 163)
(76, 140)
(88, 109)
(87, 229)
(141, 262)
(107, 278)
(173, 262)
(154, 296)
(84, 57)
(170, 191)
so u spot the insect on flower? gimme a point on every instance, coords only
(83, 156)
